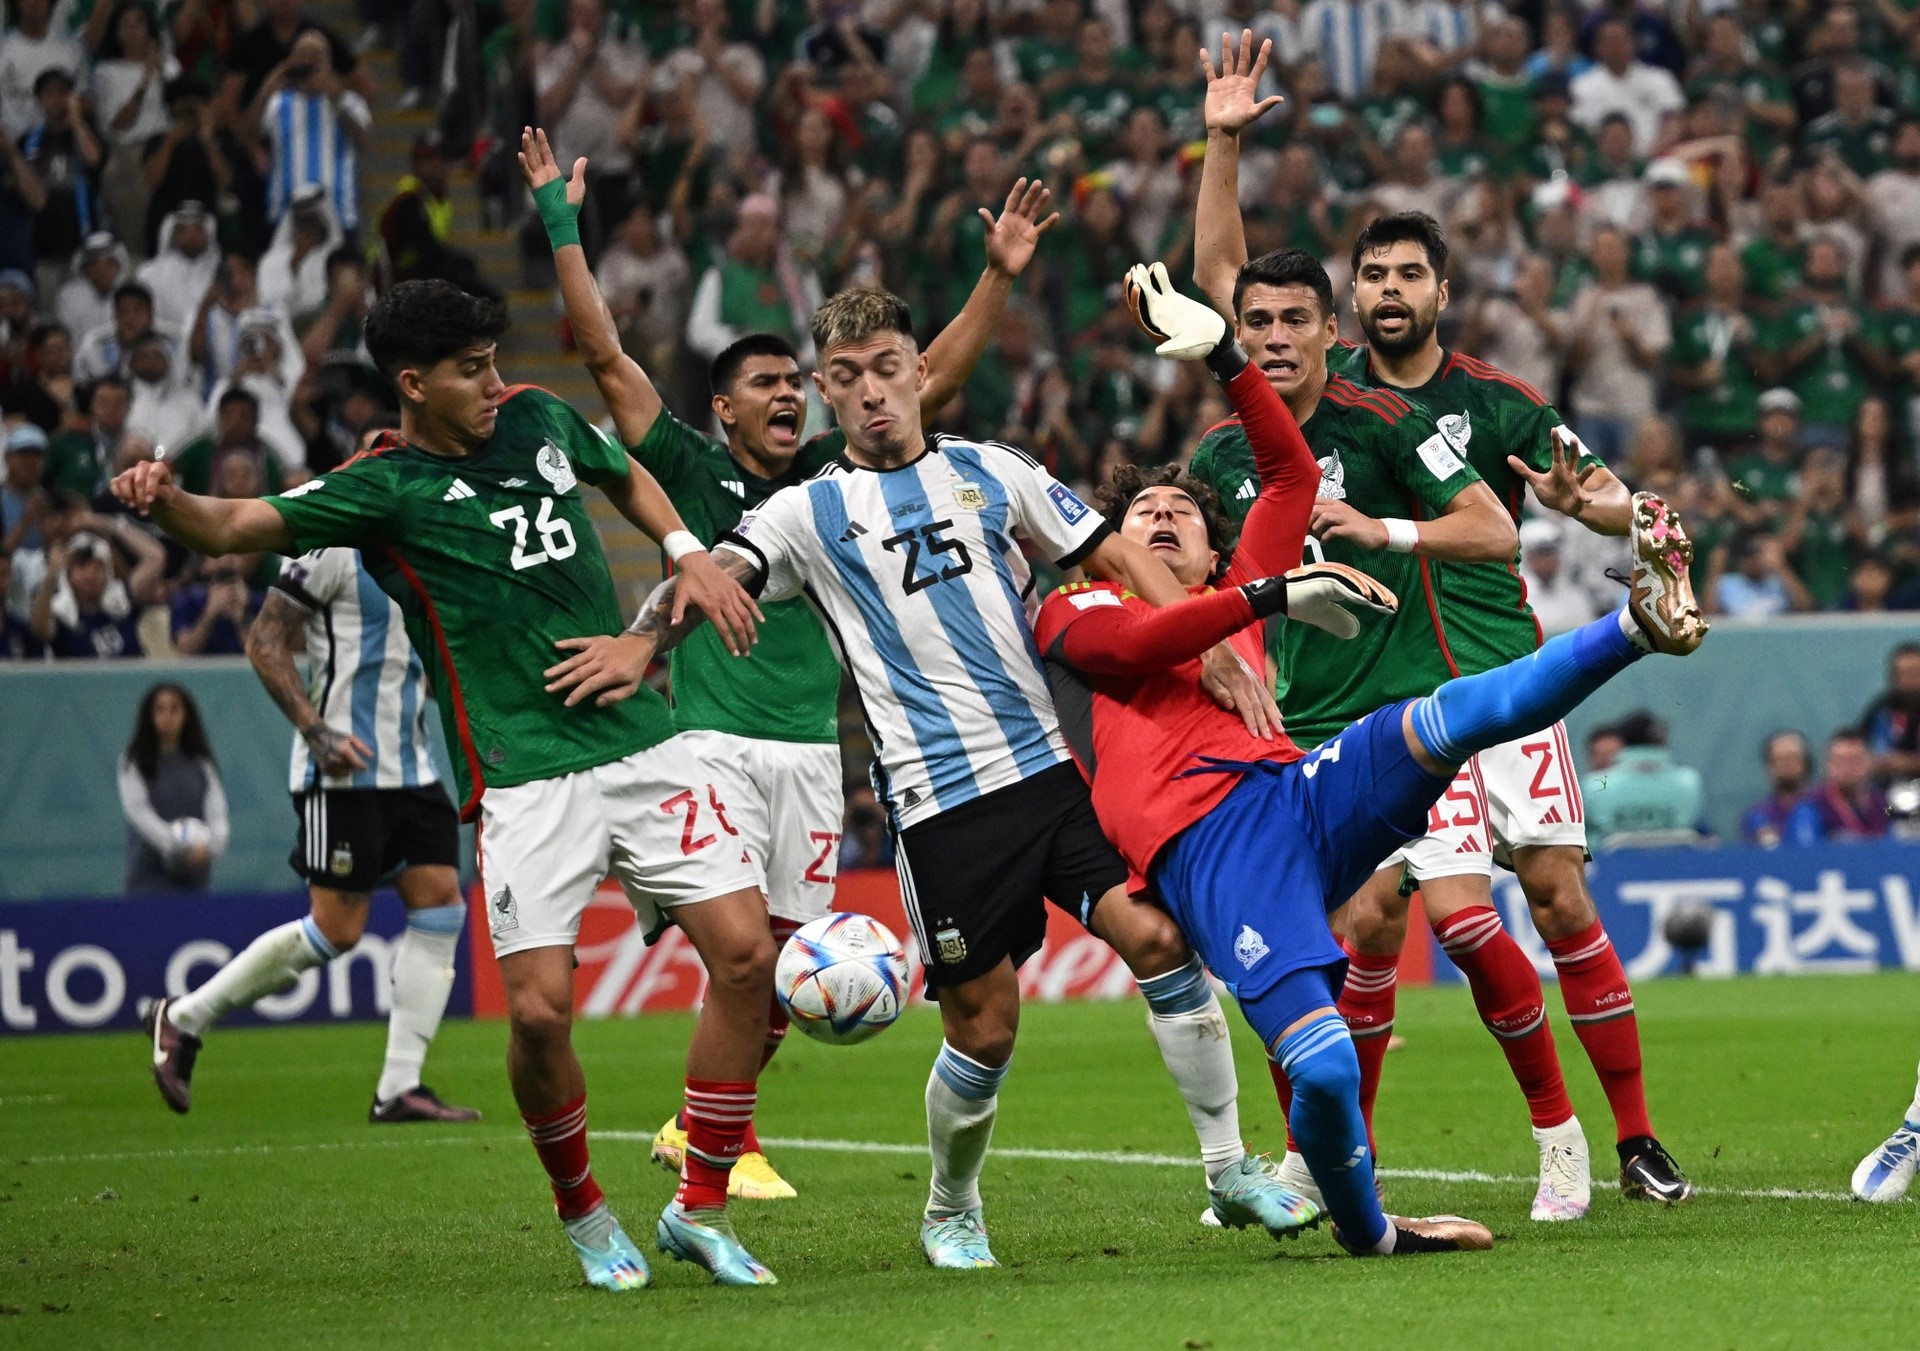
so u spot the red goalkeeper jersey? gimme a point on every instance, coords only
(1126, 675)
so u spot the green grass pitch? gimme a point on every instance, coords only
(275, 1216)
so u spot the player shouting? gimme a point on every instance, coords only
(766, 725)
(1247, 843)
(369, 804)
(907, 546)
(471, 519)
(1518, 802)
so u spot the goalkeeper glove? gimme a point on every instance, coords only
(1330, 596)
(1185, 329)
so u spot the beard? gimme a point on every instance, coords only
(1410, 339)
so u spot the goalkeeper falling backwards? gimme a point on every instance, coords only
(1245, 841)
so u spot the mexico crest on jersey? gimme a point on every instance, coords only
(1333, 477)
(554, 468)
(1458, 429)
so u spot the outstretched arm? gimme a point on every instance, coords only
(1593, 496)
(1011, 241)
(270, 648)
(608, 669)
(1233, 104)
(630, 395)
(207, 525)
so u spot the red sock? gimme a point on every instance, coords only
(1366, 1002)
(1283, 1089)
(1506, 990)
(1594, 986)
(560, 1139)
(718, 1116)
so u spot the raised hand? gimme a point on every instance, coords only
(539, 168)
(1559, 487)
(1233, 101)
(141, 486)
(1012, 239)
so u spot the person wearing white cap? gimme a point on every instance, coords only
(1672, 252)
(85, 301)
(1559, 602)
(80, 609)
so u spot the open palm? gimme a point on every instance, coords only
(1012, 238)
(1233, 101)
(539, 168)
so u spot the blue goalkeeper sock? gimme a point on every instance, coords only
(1327, 1126)
(1474, 712)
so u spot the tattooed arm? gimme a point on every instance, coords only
(612, 668)
(270, 646)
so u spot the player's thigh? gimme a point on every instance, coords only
(672, 841)
(1533, 793)
(972, 880)
(543, 849)
(1361, 796)
(728, 763)
(1084, 875)
(1246, 886)
(340, 838)
(1374, 919)
(420, 842)
(804, 811)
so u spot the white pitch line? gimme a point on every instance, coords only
(903, 1151)
(23, 1099)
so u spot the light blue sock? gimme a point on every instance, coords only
(316, 940)
(1319, 1060)
(962, 1098)
(1182, 990)
(1477, 711)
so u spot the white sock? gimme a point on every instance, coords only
(270, 963)
(422, 980)
(1913, 1112)
(1191, 1031)
(1635, 634)
(962, 1097)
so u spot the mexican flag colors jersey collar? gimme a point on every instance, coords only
(492, 558)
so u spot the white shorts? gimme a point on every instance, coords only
(1514, 795)
(656, 821)
(784, 798)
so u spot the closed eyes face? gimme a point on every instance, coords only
(1168, 523)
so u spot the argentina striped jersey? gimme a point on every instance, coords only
(310, 145)
(928, 598)
(363, 675)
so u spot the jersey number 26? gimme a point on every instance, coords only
(556, 536)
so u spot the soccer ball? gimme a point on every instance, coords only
(189, 831)
(842, 978)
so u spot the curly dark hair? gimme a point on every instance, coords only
(1130, 480)
(421, 323)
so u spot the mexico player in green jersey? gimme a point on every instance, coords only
(766, 724)
(471, 518)
(1476, 618)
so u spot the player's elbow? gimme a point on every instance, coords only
(1496, 538)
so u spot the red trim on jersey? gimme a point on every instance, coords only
(1233, 421)
(471, 807)
(1433, 613)
(1482, 370)
(1343, 395)
(382, 443)
(512, 390)
(1568, 779)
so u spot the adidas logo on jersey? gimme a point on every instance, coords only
(1247, 491)
(514, 483)
(853, 532)
(1552, 817)
(1471, 845)
(458, 491)
(734, 486)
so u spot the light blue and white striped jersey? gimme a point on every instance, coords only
(1347, 35)
(928, 599)
(364, 676)
(1450, 25)
(310, 145)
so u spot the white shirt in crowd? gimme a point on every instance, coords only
(729, 121)
(587, 126)
(114, 82)
(21, 60)
(1644, 95)
(1893, 201)
(1610, 384)
(664, 277)
(178, 283)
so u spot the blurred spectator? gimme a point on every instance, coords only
(648, 286)
(170, 790)
(726, 79)
(104, 351)
(1619, 82)
(1893, 199)
(164, 411)
(1714, 359)
(24, 503)
(268, 48)
(236, 432)
(182, 268)
(1832, 47)
(1846, 804)
(1751, 579)
(584, 84)
(28, 51)
(1619, 335)
(1645, 791)
(1822, 535)
(1858, 132)
(191, 161)
(1346, 35)
(80, 609)
(85, 301)
(314, 126)
(1767, 478)
(1823, 348)
(1788, 764)
(51, 173)
(82, 459)
(18, 642)
(211, 616)
(865, 841)
(1517, 327)
(293, 273)
(333, 338)
(261, 368)
(130, 71)
(1672, 252)
(755, 287)
(1776, 252)
(416, 225)
(1892, 721)
(1559, 603)
(233, 298)
(40, 388)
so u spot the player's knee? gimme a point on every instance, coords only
(985, 1039)
(1556, 890)
(341, 927)
(1152, 945)
(537, 1019)
(1329, 1077)
(746, 968)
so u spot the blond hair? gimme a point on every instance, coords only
(858, 314)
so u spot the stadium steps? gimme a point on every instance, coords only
(530, 351)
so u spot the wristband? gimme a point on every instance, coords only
(680, 543)
(561, 217)
(1266, 596)
(1227, 359)
(1403, 536)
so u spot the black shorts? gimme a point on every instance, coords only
(972, 879)
(350, 838)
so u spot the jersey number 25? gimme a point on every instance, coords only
(928, 537)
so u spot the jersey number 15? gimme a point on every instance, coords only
(556, 536)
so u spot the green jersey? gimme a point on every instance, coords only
(492, 558)
(1729, 409)
(1384, 457)
(1479, 611)
(1834, 380)
(1675, 263)
(788, 687)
